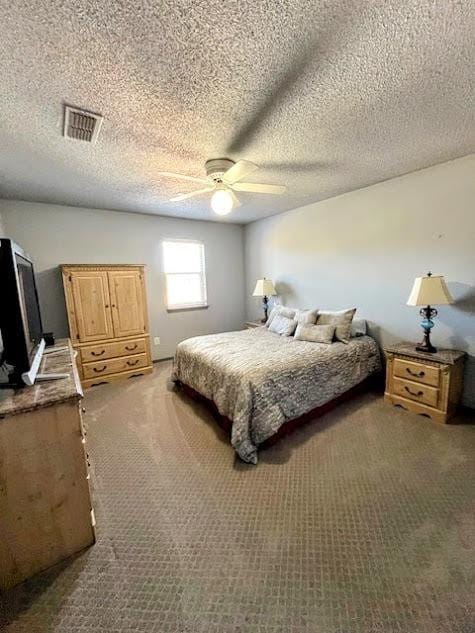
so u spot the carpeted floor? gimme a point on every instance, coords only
(361, 522)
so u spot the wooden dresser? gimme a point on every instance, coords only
(45, 505)
(108, 321)
(430, 384)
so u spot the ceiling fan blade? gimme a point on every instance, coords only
(184, 196)
(170, 174)
(255, 187)
(238, 171)
(236, 202)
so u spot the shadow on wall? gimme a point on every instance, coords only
(463, 312)
(464, 296)
(52, 303)
(285, 293)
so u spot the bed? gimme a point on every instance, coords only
(260, 380)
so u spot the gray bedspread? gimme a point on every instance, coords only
(259, 380)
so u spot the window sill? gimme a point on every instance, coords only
(188, 309)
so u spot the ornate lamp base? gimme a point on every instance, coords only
(429, 349)
(427, 324)
(265, 305)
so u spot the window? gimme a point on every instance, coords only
(184, 265)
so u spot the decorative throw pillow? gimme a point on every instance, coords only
(358, 327)
(282, 325)
(283, 311)
(273, 312)
(341, 319)
(314, 333)
(306, 316)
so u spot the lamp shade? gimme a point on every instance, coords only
(264, 288)
(429, 291)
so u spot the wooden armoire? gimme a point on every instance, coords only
(108, 322)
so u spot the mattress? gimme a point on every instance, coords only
(260, 380)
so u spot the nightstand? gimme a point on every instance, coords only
(430, 384)
(249, 325)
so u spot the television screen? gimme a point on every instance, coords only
(22, 343)
(29, 302)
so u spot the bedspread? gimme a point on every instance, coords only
(259, 379)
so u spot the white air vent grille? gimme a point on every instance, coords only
(80, 125)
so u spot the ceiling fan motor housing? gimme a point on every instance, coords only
(216, 168)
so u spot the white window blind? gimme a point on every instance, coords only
(184, 265)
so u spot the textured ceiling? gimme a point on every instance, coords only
(325, 96)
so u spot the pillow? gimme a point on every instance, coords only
(283, 311)
(273, 312)
(306, 316)
(358, 327)
(341, 319)
(314, 333)
(282, 325)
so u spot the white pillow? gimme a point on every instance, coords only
(314, 333)
(283, 311)
(306, 316)
(358, 327)
(341, 319)
(272, 314)
(282, 325)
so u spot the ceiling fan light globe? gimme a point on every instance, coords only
(221, 202)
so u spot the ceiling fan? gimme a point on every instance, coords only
(222, 178)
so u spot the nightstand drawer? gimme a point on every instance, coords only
(250, 325)
(417, 372)
(416, 391)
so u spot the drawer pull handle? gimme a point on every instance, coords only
(416, 374)
(413, 393)
(98, 370)
(131, 363)
(98, 353)
(131, 349)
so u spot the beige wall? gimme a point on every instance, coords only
(54, 235)
(364, 249)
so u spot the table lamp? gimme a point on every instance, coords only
(428, 291)
(264, 288)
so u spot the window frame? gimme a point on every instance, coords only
(201, 305)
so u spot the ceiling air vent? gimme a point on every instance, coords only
(81, 125)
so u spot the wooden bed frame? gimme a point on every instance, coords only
(372, 383)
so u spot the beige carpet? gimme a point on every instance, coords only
(361, 522)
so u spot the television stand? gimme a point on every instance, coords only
(55, 349)
(45, 377)
(45, 506)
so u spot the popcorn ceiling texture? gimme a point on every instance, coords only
(325, 97)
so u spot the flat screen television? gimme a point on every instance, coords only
(22, 344)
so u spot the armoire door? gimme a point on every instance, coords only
(128, 302)
(90, 293)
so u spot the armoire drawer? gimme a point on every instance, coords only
(101, 351)
(114, 365)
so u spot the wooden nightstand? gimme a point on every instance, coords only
(249, 325)
(430, 384)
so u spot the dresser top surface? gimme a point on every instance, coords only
(44, 394)
(446, 356)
